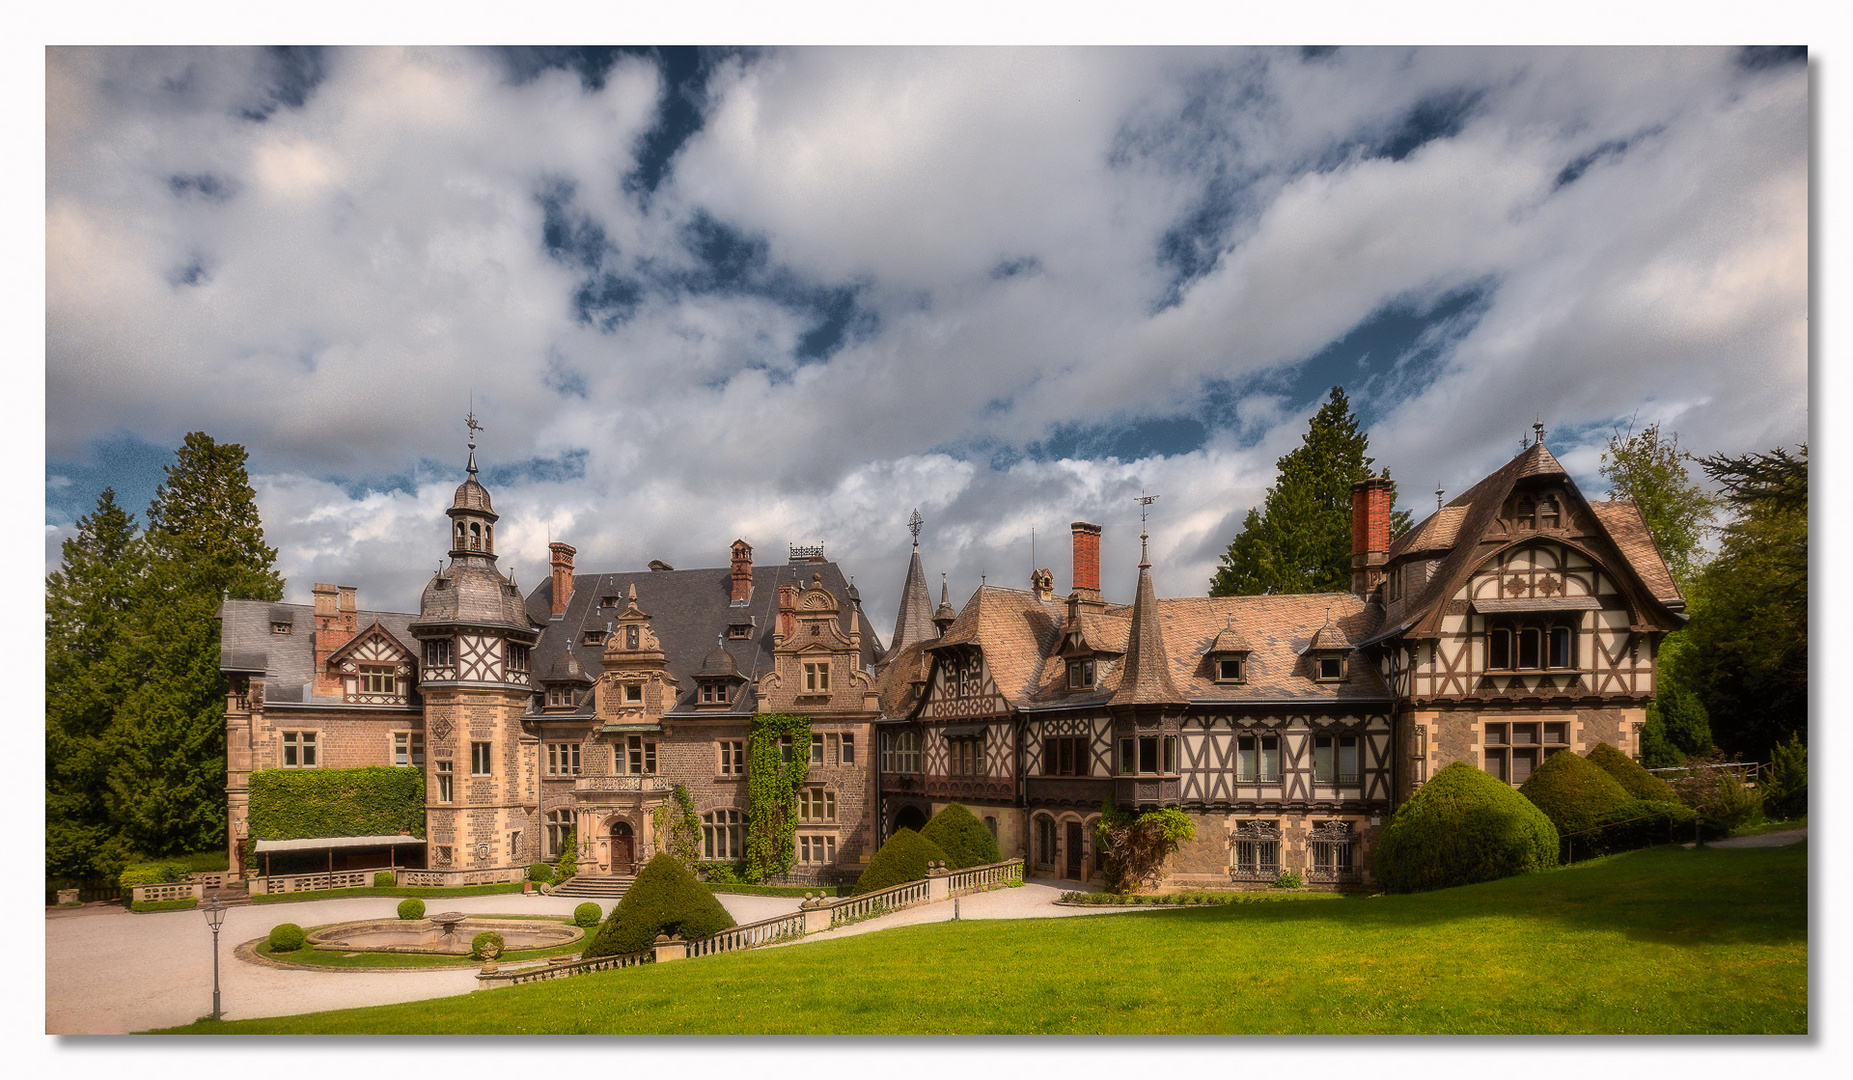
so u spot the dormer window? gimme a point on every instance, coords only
(713, 693)
(1230, 669)
(593, 637)
(280, 628)
(1330, 668)
(740, 631)
(561, 697)
(607, 601)
(1080, 674)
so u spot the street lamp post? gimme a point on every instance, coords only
(215, 918)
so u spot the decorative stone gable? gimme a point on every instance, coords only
(635, 686)
(816, 665)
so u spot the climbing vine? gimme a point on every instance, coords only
(777, 761)
(678, 829)
(1134, 847)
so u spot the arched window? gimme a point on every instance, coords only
(1045, 840)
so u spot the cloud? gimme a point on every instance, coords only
(1010, 287)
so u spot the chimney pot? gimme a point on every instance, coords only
(1371, 501)
(1087, 562)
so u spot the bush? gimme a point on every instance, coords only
(161, 873)
(412, 908)
(665, 899)
(1785, 781)
(1631, 775)
(587, 915)
(1461, 827)
(482, 941)
(286, 937)
(385, 879)
(1572, 792)
(1637, 823)
(902, 859)
(1718, 794)
(965, 840)
(541, 872)
(1289, 879)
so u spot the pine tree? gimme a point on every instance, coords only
(1750, 636)
(86, 609)
(167, 745)
(1299, 540)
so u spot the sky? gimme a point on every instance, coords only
(793, 295)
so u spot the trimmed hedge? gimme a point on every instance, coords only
(540, 872)
(965, 840)
(156, 873)
(587, 915)
(902, 859)
(412, 908)
(665, 899)
(1462, 827)
(295, 804)
(1572, 791)
(163, 905)
(385, 879)
(483, 940)
(1632, 775)
(1637, 823)
(287, 937)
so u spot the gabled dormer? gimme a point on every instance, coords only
(635, 686)
(565, 685)
(816, 664)
(1328, 653)
(1226, 659)
(374, 668)
(719, 680)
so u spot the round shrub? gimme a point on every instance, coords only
(1637, 823)
(587, 914)
(385, 879)
(1289, 879)
(411, 908)
(965, 840)
(1785, 781)
(1572, 792)
(286, 937)
(665, 899)
(482, 940)
(1631, 774)
(540, 871)
(902, 859)
(1461, 827)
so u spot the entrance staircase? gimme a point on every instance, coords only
(593, 887)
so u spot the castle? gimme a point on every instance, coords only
(1517, 621)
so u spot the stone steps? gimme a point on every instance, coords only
(591, 887)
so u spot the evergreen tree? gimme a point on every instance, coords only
(1750, 636)
(167, 745)
(1299, 540)
(86, 605)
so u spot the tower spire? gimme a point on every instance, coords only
(470, 422)
(1145, 501)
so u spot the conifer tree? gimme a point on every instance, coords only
(86, 605)
(167, 745)
(1299, 540)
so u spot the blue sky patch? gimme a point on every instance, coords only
(295, 71)
(1763, 57)
(132, 465)
(1438, 116)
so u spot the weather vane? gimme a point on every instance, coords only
(914, 523)
(1145, 502)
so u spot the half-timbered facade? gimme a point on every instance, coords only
(1517, 621)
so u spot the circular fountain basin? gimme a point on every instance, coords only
(450, 937)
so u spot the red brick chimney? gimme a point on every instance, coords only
(1371, 501)
(562, 575)
(334, 627)
(788, 613)
(742, 572)
(1087, 564)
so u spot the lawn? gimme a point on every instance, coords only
(1658, 941)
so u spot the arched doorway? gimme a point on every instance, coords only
(623, 848)
(910, 817)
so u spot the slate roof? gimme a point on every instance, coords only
(246, 644)
(913, 621)
(1145, 676)
(687, 609)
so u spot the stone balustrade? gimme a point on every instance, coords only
(750, 936)
(173, 890)
(541, 973)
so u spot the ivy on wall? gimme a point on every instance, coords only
(778, 753)
(300, 804)
(678, 829)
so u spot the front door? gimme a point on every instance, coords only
(1074, 851)
(623, 849)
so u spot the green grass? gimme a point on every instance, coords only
(1760, 825)
(339, 894)
(1663, 941)
(325, 958)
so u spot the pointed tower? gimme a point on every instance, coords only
(914, 621)
(944, 616)
(1145, 677)
(475, 637)
(1147, 708)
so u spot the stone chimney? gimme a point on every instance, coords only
(562, 576)
(742, 572)
(788, 613)
(1087, 566)
(1371, 501)
(347, 610)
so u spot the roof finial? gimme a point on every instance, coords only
(1145, 501)
(1538, 426)
(470, 422)
(1438, 492)
(913, 524)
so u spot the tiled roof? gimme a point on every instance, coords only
(1436, 533)
(1145, 675)
(687, 609)
(247, 643)
(470, 590)
(896, 684)
(914, 620)
(1622, 520)
(1016, 631)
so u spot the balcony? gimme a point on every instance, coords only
(1131, 791)
(622, 783)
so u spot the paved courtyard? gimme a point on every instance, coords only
(109, 971)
